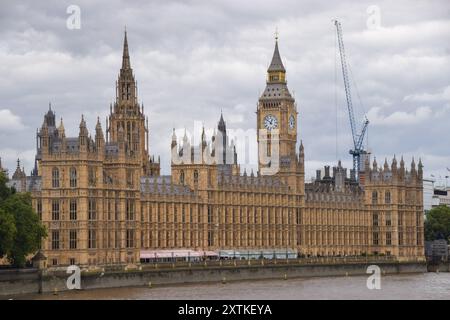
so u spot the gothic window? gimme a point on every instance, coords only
(55, 178)
(209, 214)
(388, 219)
(210, 239)
(375, 238)
(182, 177)
(55, 210)
(195, 176)
(374, 197)
(130, 238)
(92, 239)
(55, 240)
(375, 220)
(73, 239)
(268, 151)
(130, 210)
(39, 209)
(387, 197)
(73, 209)
(92, 209)
(388, 238)
(73, 177)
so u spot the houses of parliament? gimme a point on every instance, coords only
(103, 200)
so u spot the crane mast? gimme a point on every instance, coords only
(358, 138)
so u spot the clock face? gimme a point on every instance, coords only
(270, 122)
(291, 122)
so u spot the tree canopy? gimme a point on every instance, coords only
(21, 231)
(437, 223)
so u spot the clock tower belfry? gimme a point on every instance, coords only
(277, 128)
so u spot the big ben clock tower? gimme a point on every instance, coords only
(277, 128)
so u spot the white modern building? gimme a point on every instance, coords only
(434, 196)
(428, 193)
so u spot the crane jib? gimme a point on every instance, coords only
(358, 139)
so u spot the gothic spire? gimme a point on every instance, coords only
(125, 55)
(276, 87)
(222, 126)
(61, 129)
(174, 139)
(98, 126)
(82, 122)
(276, 64)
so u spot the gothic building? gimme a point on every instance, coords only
(104, 201)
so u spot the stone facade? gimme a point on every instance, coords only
(103, 199)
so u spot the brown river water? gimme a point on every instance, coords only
(411, 286)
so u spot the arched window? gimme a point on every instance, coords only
(55, 178)
(387, 197)
(195, 176)
(73, 177)
(182, 177)
(374, 197)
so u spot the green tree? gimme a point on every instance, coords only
(21, 231)
(5, 191)
(7, 232)
(437, 223)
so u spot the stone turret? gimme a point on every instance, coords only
(402, 169)
(420, 170)
(99, 138)
(394, 166)
(44, 137)
(173, 144)
(61, 130)
(83, 135)
(19, 173)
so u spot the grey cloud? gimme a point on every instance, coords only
(192, 59)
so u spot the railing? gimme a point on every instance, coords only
(231, 263)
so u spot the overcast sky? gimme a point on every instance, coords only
(193, 58)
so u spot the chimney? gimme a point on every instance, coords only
(327, 172)
(318, 175)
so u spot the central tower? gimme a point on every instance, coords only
(127, 120)
(277, 127)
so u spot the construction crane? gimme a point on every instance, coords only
(358, 138)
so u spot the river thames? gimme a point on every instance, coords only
(411, 286)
